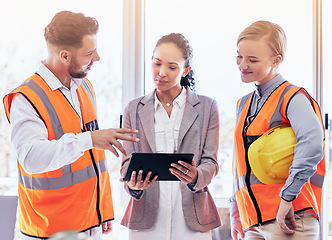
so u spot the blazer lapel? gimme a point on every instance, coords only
(190, 114)
(146, 118)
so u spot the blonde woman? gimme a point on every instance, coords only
(288, 210)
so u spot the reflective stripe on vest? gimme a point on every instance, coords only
(85, 85)
(66, 180)
(241, 182)
(57, 128)
(276, 118)
(317, 180)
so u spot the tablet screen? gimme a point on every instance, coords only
(157, 163)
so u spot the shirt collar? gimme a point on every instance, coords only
(179, 100)
(156, 101)
(53, 82)
(269, 86)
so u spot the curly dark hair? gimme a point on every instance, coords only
(67, 29)
(182, 43)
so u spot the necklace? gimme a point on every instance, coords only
(168, 104)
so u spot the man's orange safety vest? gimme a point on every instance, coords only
(76, 196)
(258, 203)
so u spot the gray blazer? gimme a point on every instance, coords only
(199, 134)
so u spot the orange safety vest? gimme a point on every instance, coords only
(257, 202)
(76, 196)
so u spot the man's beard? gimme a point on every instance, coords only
(74, 65)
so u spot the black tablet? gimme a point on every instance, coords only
(157, 163)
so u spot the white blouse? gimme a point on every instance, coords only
(170, 223)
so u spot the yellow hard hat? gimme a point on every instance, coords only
(271, 155)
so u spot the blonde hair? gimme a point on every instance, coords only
(273, 34)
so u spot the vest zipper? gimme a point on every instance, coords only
(248, 173)
(98, 184)
(94, 166)
(245, 142)
(98, 187)
(251, 194)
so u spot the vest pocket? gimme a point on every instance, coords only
(204, 208)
